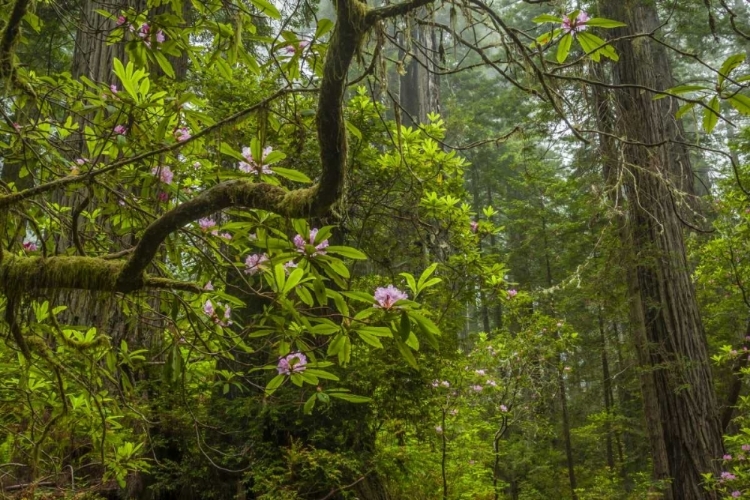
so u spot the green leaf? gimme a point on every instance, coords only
(426, 274)
(404, 327)
(310, 404)
(410, 282)
(546, 18)
(324, 26)
(336, 345)
(680, 89)
(292, 175)
(741, 103)
(370, 339)
(729, 65)
(166, 66)
(125, 77)
(406, 353)
(360, 296)
(293, 280)
(353, 130)
(352, 398)
(563, 49)
(348, 252)
(711, 115)
(267, 8)
(275, 383)
(601, 22)
(321, 374)
(428, 327)
(684, 109)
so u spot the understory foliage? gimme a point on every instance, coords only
(233, 265)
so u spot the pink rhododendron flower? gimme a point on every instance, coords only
(289, 266)
(121, 20)
(445, 383)
(17, 127)
(736, 494)
(183, 134)
(29, 246)
(292, 363)
(250, 166)
(453, 412)
(206, 223)
(164, 174)
(575, 25)
(301, 244)
(439, 429)
(479, 372)
(474, 226)
(727, 457)
(208, 286)
(491, 383)
(477, 388)
(512, 293)
(208, 308)
(387, 296)
(120, 130)
(113, 89)
(226, 236)
(503, 408)
(81, 161)
(163, 196)
(746, 447)
(727, 476)
(160, 37)
(254, 263)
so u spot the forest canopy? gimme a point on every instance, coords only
(303, 250)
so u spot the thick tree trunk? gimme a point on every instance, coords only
(420, 87)
(664, 309)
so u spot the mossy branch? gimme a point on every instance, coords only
(18, 274)
(10, 35)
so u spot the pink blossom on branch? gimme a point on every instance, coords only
(182, 134)
(120, 130)
(301, 244)
(250, 166)
(205, 223)
(292, 363)
(164, 174)
(29, 246)
(254, 263)
(387, 296)
(575, 25)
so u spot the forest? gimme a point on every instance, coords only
(385, 250)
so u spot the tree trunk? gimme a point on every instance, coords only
(420, 86)
(664, 309)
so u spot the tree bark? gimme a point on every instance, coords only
(664, 310)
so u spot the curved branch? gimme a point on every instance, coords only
(10, 35)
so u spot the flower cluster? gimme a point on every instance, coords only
(387, 296)
(301, 244)
(182, 134)
(294, 49)
(29, 246)
(254, 263)
(575, 25)
(292, 363)
(164, 174)
(210, 311)
(250, 166)
(206, 223)
(144, 32)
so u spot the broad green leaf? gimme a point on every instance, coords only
(404, 327)
(267, 8)
(352, 398)
(324, 26)
(601, 22)
(741, 103)
(275, 383)
(680, 89)
(711, 115)
(370, 339)
(729, 65)
(407, 354)
(563, 48)
(292, 175)
(546, 18)
(684, 109)
(349, 252)
(166, 66)
(321, 374)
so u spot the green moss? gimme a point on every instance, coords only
(21, 274)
